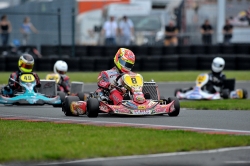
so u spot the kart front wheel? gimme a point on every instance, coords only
(67, 103)
(92, 107)
(245, 94)
(225, 93)
(176, 106)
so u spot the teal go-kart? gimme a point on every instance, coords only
(28, 94)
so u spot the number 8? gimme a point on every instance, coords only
(133, 80)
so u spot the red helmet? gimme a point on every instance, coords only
(124, 60)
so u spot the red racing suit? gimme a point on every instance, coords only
(106, 79)
(14, 78)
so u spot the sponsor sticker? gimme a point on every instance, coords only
(141, 107)
(141, 112)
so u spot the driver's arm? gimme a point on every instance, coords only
(38, 83)
(103, 80)
(13, 77)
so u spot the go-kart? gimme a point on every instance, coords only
(201, 92)
(28, 95)
(141, 98)
(76, 88)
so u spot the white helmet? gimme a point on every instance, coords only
(218, 64)
(60, 67)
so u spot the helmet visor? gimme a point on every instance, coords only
(217, 65)
(61, 72)
(126, 64)
(27, 66)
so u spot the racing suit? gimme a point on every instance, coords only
(105, 81)
(216, 82)
(13, 83)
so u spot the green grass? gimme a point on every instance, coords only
(39, 141)
(163, 76)
(230, 104)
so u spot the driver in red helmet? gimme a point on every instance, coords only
(124, 61)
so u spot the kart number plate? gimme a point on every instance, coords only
(27, 78)
(141, 112)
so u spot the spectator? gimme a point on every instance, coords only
(227, 31)
(110, 30)
(206, 31)
(5, 29)
(26, 29)
(171, 33)
(126, 27)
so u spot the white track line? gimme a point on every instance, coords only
(150, 155)
(141, 125)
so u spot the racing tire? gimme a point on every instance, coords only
(62, 98)
(67, 103)
(176, 106)
(245, 94)
(225, 93)
(92, 108)
(81, 96)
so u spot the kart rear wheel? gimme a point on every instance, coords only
(81, 96)
(225, 93)
(67, 103)
(245, 94)
(92, 108)
(176, 106)
(62, 98)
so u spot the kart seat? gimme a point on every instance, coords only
(229, 84)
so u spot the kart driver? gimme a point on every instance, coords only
(216, 77)
(25, 65)
(61, 68)
(124, 61)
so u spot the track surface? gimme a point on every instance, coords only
(230, 121)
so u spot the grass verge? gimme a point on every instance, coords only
(37, 141)
(230, 104)
(163, 76)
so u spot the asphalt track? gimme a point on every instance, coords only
(227, 122)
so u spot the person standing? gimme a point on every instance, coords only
(110, 30)
(126, 27)
(171, 33)
(206, 31)
(5, 29)
(26, 29)
(228, 32)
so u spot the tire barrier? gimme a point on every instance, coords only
(183, 50)
(230, 62)
(2, 63)
(169, 63)
(155, 51)
(169, 50)
(198, 49)
(242, 49)
(187, 62)
(86, 64)
(212, 49)
(243, 62)
(151, 63)
(205, 62)
(107, 51)
(143, 63)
